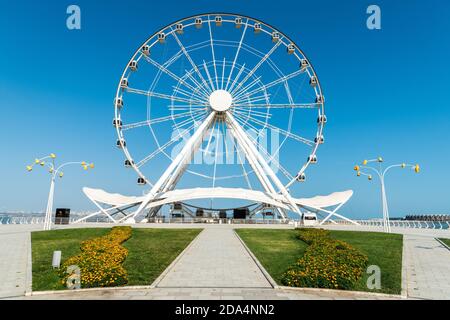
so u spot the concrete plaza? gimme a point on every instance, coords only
(216, 265)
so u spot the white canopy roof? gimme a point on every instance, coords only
(115, 199)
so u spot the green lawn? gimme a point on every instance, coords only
(278, 249)
(275, 249)
(150, 252)
(446, 241)
(45, 242)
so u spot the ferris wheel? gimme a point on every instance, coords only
(206, 95)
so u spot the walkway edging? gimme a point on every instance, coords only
(404, 278)
(362, 293)
(443, 243)
(260, 266)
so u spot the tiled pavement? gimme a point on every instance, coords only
(206, 294)
(15, 267)
(216, 259)
(428, 268)
(426, 263)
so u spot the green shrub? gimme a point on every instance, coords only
(310, 235)
(327, 263)
(100, 260)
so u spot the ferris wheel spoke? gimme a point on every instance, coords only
(189, 120)
(213, 53)
(237, 54)
(161, 95)
(247, 87)
(171, 74)
(197, 84)
(208, 75)
(270, 158)
(243, 121)
(256, 67)
(216, 155)
(164, 146)
(243, 111)
(252, 100)
(187, 94)
(186, 53)
(278, 105)
(282, 79)
(185, 107)
(284, 132)
(223, 74)
(238, 153)
(158, 120)
(237, 76)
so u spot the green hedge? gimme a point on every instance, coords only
(327, 263)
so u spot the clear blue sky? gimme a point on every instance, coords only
(387, 93)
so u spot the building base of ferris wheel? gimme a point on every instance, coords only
(122, 209)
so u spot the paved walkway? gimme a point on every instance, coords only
(427, 265)
(15, 267)
(216, 259)
(207, 294)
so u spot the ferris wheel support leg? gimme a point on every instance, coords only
(178, 165)
(332, 213)
(266, 168)
(259, 171)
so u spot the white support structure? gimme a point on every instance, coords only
(252, 152)
(175, 170)
(119, 203)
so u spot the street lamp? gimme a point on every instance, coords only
(380, 172)
(54, 172)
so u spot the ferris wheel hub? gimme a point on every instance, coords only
(220, 100)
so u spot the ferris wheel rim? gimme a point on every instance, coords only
(209, 14)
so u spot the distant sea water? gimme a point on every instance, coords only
(8, 218)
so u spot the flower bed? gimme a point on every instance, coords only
(100, 260)
(327, 263)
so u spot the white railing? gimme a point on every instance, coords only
(217, 221)
(187, 220)
(440, 225)
(399, 224)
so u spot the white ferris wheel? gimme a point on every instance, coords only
(226, 99)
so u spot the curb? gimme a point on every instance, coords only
(42, 293)
(442, 243)
(29, 275)
(348, 292)
(404, 292)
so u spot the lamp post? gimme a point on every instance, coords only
(381, 173)
(55, 171)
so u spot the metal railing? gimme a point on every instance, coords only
(440, 225)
